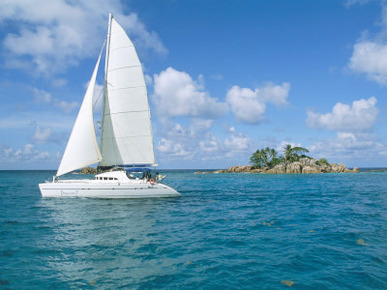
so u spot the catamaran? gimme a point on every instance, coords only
(126, 138)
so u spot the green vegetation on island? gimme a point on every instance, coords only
(293, 160)
(269, 157)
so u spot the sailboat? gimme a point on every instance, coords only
(126, 138)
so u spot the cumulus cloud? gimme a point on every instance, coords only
(249, 105)
(170, 147)
(370, 52)
(237, 142)
(351, 148)
(370, 58)
(177, 94)
(361, 116)
(198, 143)
(355, 139)
(210, 144)
(53, 35)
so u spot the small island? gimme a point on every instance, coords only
(293, 161)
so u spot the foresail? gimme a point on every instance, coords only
(82, 148)
(126, 127)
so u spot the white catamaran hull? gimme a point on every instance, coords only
(91, 189)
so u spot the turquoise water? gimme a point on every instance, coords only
(226, 231)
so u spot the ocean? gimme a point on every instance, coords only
(226, 231)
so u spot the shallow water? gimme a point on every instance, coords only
(228, 231)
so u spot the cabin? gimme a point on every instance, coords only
(114, 176)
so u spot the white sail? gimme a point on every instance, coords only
(82, 148)
(126, 125)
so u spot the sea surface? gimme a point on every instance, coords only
(226, 231)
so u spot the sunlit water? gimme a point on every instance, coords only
(227, 231)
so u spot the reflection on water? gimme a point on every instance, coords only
(104, 240)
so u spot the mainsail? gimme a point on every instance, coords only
(126, 135)
(126, 132)
(82, 148)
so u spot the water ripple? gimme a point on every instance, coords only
(226, 231)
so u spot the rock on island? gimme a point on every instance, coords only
(303, 165)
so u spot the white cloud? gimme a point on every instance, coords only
(170, 147)
(351, 148)
(177, 94)
(66, 107)
(361, 116)
(148, 80)
(42, 96)
(355, 139)
(210, 145)
(197, 143)
(238, 142)
(281, 147)
(31, 120)
(42, 135)
(369, 55)
(53, 35)
(249, 105)
(370, 58)
(27, 154)
(145, 39)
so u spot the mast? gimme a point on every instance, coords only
(104, 99)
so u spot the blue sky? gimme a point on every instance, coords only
(224, 77)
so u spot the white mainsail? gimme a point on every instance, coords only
(126, 135)
(82, 148)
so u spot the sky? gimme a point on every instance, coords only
(224, 78)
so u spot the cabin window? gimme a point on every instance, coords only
(110, 178)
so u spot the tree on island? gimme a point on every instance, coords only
(294, 153)
(269, 157)
(265, 158)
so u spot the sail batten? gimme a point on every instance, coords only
(133, 66)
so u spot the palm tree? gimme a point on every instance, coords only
(264, 158)
(294, 153)
(299, 150)
(256, 159)
(288, 154)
